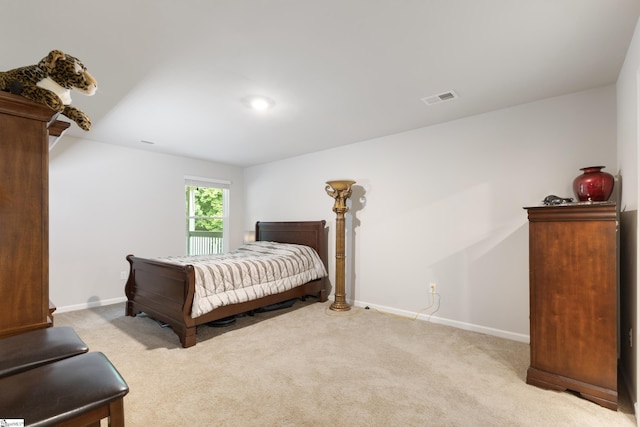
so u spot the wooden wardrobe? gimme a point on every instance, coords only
(573, 299)
(24, 213)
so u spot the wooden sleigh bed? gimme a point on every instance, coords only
(165, 291)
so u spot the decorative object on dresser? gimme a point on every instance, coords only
(167, 291)
(573, 299)
(340, 190)
(24, 214)
(50, 81)
(552, 199)
(593, 185)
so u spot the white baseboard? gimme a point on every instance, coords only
(627, 384)
(92, 304)
(424, 317)
(448, 322)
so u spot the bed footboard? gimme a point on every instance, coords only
(164, 292)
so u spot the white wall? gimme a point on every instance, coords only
(627, 99)
(108, 201)
(444, 204)
(628, 94)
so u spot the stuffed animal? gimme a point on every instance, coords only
(50, 83)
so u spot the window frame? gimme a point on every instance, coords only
(225, 186)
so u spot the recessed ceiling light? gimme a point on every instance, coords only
(259, 103)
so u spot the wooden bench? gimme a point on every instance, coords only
(77, 391)
(35, 348)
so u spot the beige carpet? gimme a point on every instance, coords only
(309, 366)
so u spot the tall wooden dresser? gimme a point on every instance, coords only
(573, 299)
(24, 214)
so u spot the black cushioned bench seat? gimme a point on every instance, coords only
(77, 391)
(34, 348)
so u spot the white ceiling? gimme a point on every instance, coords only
(340, 71)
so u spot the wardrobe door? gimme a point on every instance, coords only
(24, 190)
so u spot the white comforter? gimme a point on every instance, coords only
(252, 271)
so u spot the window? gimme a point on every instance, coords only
(207, 215)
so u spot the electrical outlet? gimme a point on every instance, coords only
(432, 288)
(123, 275)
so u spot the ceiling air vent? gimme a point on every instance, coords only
(436, 99)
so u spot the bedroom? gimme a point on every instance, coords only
(446, 197)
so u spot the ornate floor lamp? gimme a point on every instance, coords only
(340, 190)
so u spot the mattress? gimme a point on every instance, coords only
(250, 272)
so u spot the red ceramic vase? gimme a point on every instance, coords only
(593, 185)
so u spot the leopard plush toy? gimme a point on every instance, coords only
(50, 83)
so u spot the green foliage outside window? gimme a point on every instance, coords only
(207, 208)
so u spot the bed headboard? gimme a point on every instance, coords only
(309, 233)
